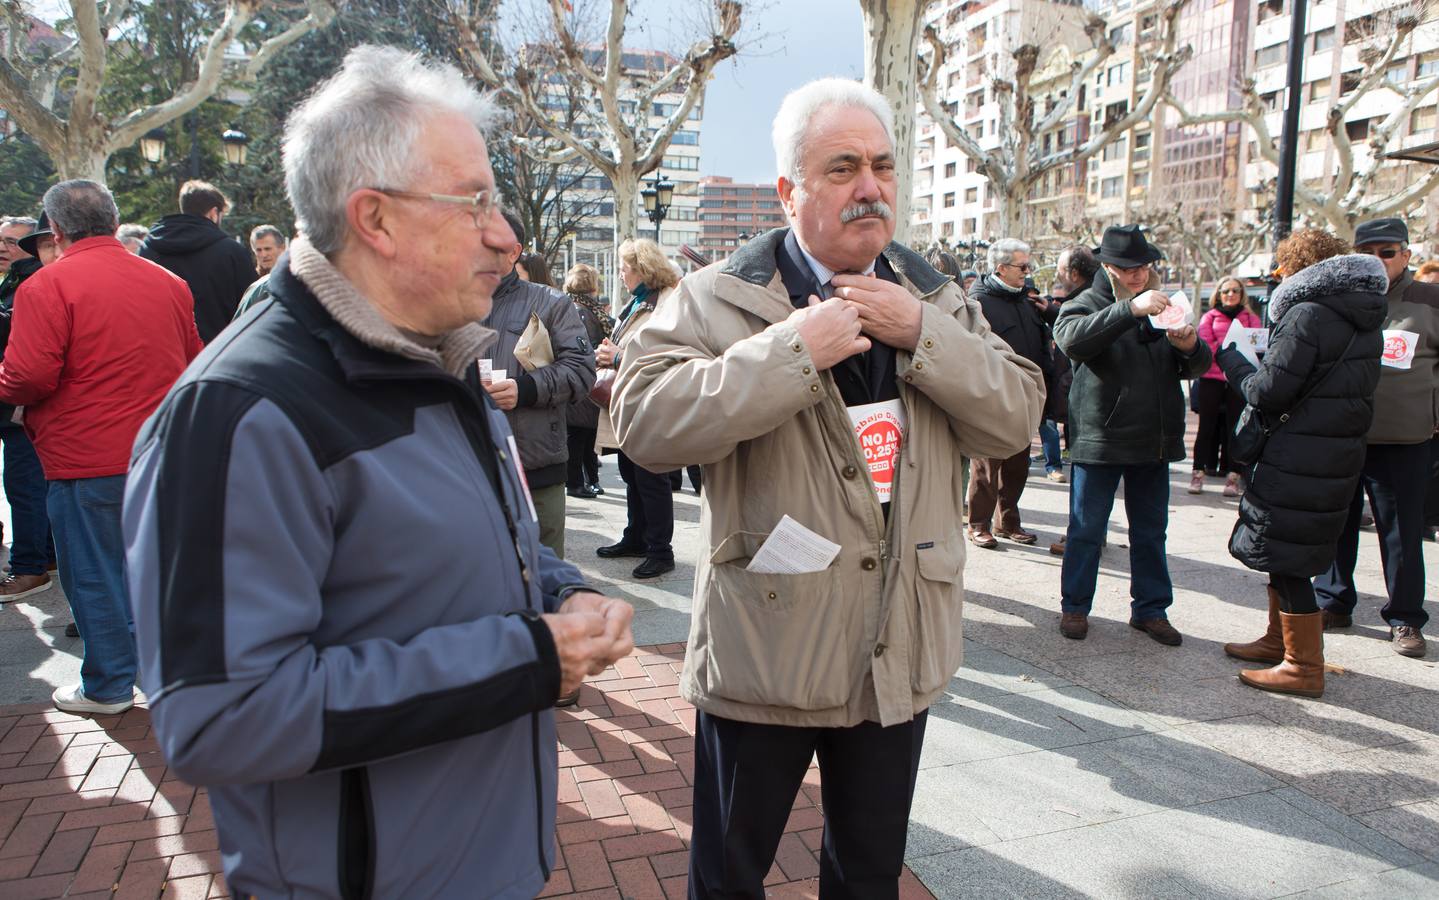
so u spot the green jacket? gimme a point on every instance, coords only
(1126, 406)
(1405, 401)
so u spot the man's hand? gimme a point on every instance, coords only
(616, 613)
(581, 645)
(1183, 339)
(1149, 303)
(829, 330)
(605, 354)
(505, 393)
(887, 312)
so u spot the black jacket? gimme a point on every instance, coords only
(20, 270)
(584, 412)
(217, 268)
(1300, 490)
(1016, 319)
(1125, 407)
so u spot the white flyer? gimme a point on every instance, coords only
(880, 430)
(1399, 347)
(1176, 314)
(1249, 341)
(792, 549)
(487, 369)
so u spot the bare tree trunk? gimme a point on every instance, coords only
(890, 29)
(627, 194)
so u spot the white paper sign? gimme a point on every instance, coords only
(1176, 314)
(792, 549)
(487, 370)
(879, 429)
(499, 374)
(1249, 341)
(524, 482)
(1399, 347)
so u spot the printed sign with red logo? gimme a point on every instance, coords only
(879, 428)
(1399, 347)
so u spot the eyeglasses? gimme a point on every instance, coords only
(1133, 270)
(10, 242)
(1231, 291)
(1387, 253)
(482, 204)
(1023, 267)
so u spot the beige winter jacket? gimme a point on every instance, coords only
(718, 377)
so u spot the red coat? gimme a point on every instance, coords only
(98, 337)
(1214, 327)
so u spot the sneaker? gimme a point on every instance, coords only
(1196, 483)
(14, 587)
(1231, 485)
(1057, 477)
(72, 699)
(1408, 641)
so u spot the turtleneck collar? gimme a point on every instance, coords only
(998, 283)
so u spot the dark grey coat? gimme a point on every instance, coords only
(1299, 491)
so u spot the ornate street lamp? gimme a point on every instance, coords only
(657, 198)
(152, 146)
(237, 146)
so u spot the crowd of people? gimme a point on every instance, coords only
(310, 491)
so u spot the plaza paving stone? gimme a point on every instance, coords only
(1111, 767)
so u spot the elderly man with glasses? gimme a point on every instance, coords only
(1126, 415)
(995, 485)
(348, 628)
(1397, 457)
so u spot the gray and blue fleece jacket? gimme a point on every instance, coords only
(336, 585)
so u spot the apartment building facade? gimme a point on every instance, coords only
(732, 213)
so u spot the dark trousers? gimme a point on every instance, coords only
(1296, 594)
(677, 478)
(997, 484)
(31, 547)
(746, 780)
(650, 508)
(1146, 502)
(583, 467)
(1219, 409)
(1394, 476)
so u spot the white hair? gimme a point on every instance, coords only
(359, 128)
(791, 123)
(1001, 252)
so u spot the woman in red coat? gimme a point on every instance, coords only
(1219, 405)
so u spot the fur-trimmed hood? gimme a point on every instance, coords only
(1352, 285)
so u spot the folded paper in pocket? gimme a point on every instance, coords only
(792, 549)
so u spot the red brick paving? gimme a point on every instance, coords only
(87, 807)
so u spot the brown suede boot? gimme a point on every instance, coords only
(1302, 671)
(1268, 649)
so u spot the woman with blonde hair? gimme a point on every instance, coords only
(582, 481)
(1219, 405)
(650, 526)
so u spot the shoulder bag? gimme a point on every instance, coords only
(1251, 431)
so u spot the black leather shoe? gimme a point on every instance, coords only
(596, 490)
(581, 493)
(654, 568)
(617, 551)
(72, 630)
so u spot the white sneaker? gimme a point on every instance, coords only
(72, 699)
(1057, 477)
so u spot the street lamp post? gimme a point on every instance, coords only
(237, 146)
(152, 146)
(657, 198)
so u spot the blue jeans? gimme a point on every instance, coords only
(1049, 440)
(1146, 502)
(31, 548)
(85, 513)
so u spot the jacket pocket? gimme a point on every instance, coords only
(357, 836)
(1114, 408)
(937, 615)
(780, 640)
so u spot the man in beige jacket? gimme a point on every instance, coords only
(826, 374)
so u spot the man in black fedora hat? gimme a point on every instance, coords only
(1126, 419)
(1397, 455)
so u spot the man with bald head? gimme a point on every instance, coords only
(828, 375)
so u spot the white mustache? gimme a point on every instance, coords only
(859, 211)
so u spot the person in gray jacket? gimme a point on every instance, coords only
(537, 402)
(348, 629)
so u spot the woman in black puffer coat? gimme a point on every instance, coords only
(1326, 313)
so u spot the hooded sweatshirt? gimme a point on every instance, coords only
(217, 267)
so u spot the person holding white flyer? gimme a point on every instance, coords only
(1397, 458)
(1126, 418)
(825, 375)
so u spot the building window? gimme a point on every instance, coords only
(1423, 119)
(1323, 40)
(1141, 180)
(949, 200)
(1397, 74)
(1349, 82)
(1270, 56)
(1141, 147)
(1428, 64)
(683, 163)
(1319, 91)
(1115, 150)
(1269, 9)
(1118, 75)
(949, 169)
(971, 195)
(690, 138)
(1110, 188)
(1122, 34)
(1357, 131)
(971, 166)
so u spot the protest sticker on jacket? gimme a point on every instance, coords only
(1399, 347)
(879, 429)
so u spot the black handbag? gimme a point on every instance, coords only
(1251, 431)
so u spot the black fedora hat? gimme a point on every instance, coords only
(1125, 246)
(31, 240)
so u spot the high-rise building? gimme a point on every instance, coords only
(732, 213)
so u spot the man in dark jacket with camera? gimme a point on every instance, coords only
(1397, 459)
(191, 244)
(1126, 419)
(537, 401)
